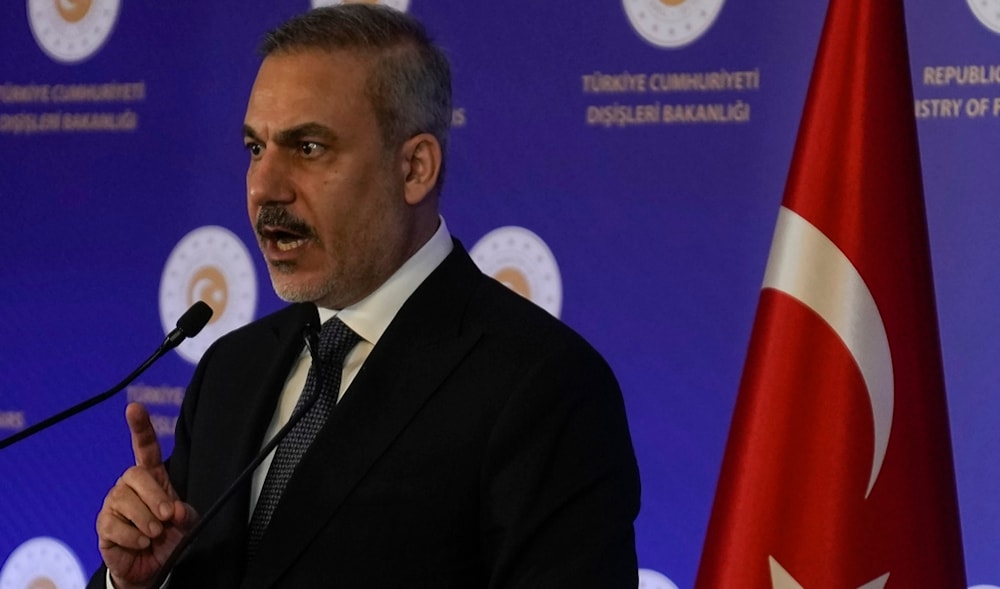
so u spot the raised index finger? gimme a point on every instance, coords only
(145, 445)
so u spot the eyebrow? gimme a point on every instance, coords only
(295, 134)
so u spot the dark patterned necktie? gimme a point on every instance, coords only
(335, 341)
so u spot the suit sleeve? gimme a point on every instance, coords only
(561, 484)
(176, 464)
(179, 461)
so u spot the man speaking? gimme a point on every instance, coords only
(458, 437)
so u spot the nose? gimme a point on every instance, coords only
(268, 181)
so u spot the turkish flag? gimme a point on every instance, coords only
(838, 469)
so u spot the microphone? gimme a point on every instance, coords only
(310, 334)
(189, 324)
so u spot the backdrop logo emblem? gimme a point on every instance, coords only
(520, 259)
(650, 579)
(400, 5)
(42, 563)
(69, 31)
(988, 13)
(671, 23)
(209, 264)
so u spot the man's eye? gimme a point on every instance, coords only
(254, 149)
(310, 148)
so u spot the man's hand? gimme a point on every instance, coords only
(142, 519)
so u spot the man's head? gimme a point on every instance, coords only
(409, 84)
(346, 126)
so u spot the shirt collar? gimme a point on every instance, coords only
(370, 317)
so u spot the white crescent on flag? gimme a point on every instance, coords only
(807, 266)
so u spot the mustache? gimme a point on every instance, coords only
(278, 217)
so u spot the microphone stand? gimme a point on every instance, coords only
(190, 323)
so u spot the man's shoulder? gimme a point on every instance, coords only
(506, 315)
(498, 311)
(283, 318)
(268, 328)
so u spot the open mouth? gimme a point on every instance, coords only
(283, 238)
(275, 225)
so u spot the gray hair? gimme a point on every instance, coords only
(409, 86)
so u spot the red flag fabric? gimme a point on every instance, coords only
(838, 469)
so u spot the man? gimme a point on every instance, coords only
(475, 441)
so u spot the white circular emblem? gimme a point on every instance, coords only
(988, 13)
(209, 264)
(671, 23)
(400, 5)
(42, 563)
(520, 259)
(69, 31)
(650, 579)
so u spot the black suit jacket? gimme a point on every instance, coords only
(483, 444)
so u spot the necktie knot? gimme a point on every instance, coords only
(336, 340)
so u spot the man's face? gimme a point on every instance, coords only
(323, 193)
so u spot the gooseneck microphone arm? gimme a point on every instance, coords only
(190, 323)
(310, 334)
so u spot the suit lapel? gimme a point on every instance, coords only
(422, 346)
(252, 393)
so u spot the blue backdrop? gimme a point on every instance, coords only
(643, 145)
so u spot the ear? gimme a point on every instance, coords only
(421, 167)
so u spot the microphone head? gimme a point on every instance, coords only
(194, 319)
